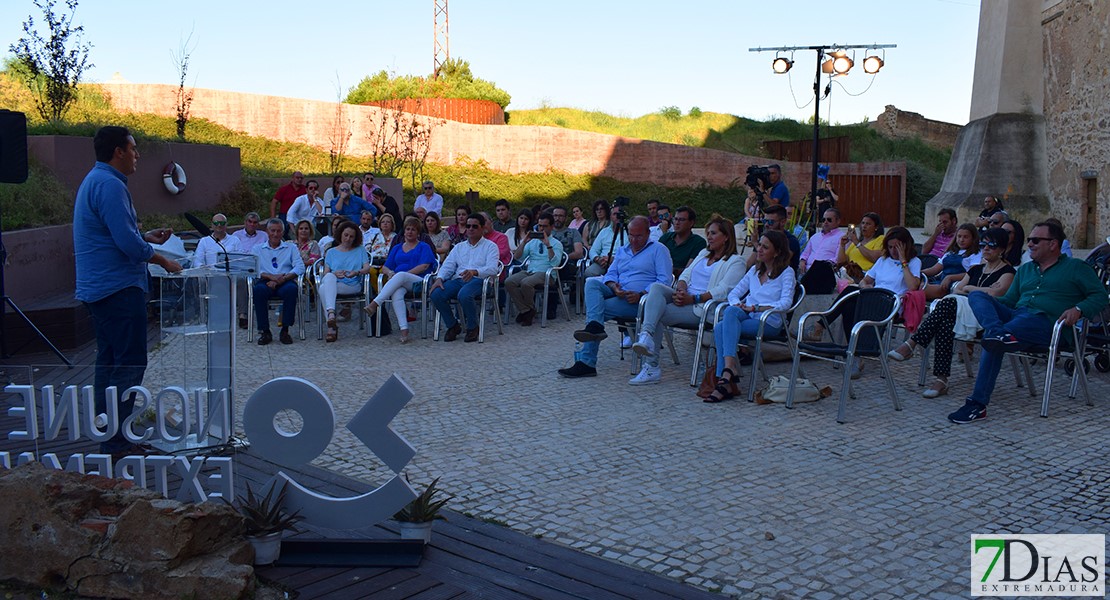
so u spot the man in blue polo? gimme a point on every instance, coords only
(617, 293)
(111, 256)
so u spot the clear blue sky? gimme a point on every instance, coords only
(626, 58)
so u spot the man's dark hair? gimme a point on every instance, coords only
(312, 181)
(947, 211)
(379, 192)
(1055, 230)
(775, 167)
(690, 214)
(479, 217)
(835, 211)
(774, 209)
(463, 207)
(559, 207)
(652, 201)
(107, 139)
(548, 216)
(664, 207)
(501, 202)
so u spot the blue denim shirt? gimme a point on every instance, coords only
(108, 248)
(636, 272)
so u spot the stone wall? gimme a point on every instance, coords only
(901, 124)
(1077, 115)
(510, 149)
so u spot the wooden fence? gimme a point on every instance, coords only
(479, 112)
(834, 149)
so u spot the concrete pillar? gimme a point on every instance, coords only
(1002, 150)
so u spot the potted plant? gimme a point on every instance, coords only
(265, 521)
(416, 518)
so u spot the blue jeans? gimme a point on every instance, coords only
(262, 294)
(1032, 329)
(602, 303)
(466, 292)
(120, 321)
(736, 324)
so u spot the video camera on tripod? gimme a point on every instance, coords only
(619, 204)
(759, 180)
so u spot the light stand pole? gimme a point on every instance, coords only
(831, 67)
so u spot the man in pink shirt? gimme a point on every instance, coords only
(818, 261)
(937, 244)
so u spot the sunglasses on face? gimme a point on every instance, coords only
(471, 226)
(827, 220)
(988, 244)
(219, 223)
(1033, 241)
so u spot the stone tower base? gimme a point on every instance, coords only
(1002, 155)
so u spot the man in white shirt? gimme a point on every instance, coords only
(462, 276)
(307, 206)
(428, 202)
(219, 241)
(279, 266)
(819, 256)
(366, 226)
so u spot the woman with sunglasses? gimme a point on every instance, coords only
(962, 253)
(209, 247)
(993, 276)
(858, 252)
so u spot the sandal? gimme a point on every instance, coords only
(901, 353)
(331, 319)
(726, 387)
(404, 336)
(371, 308)
(333, 334)
(939, 388)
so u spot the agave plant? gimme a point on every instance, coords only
(425, 508)
(264, 514)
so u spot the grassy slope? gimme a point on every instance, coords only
(264, 159)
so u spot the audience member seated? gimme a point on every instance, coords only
(344, 265)
(962, 252)
(858, 252)
(457, 232)
(504, 254)
(942, 235)
(819, 259)
(309, 249)
(333, 192)
(1017, 239)
(769, 285)
(1051, 288)
(573, 246)
(405, 267)
(594, 226)
(349, 205)
(385, 204)
(710, 276)
(327, 241)
(461, 277)
(617, 294)
(249, 236)
(577, 219)
(683, 244)
(991, 205)
(774, 219)
(428, 202)
(308, 205)
(993, 276)
(366, 227)
(1065, 248)
(379, 245)
(441, 241)
(368, 186)
(518, 235)
(897, 270)
(606, 244)
(541, 252)
(504, 221)
(663, 223)
(279, 266)
(209, 247)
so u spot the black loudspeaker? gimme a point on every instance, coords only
(13, 147)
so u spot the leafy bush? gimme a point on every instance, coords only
(455, 81)
(695, 112)
(671, 112)
(41, 200)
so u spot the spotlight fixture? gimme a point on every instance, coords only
(839, 63)
(872, 64)
(781, 65)
(827, 66)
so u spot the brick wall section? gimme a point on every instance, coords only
(512, 149)
(1076, 107)
(481, 112)
(904, 124)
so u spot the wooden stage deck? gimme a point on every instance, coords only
(467, 558)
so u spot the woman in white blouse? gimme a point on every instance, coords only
(709, 277)
(768, 285)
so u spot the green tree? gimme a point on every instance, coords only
(51, 68)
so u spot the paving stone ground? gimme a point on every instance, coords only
(750, 500)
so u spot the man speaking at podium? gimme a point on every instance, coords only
(111, 255)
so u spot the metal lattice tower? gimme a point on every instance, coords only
(441, 50)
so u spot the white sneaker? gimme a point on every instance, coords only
(647, 376)
(645, 345)
(626, 342)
